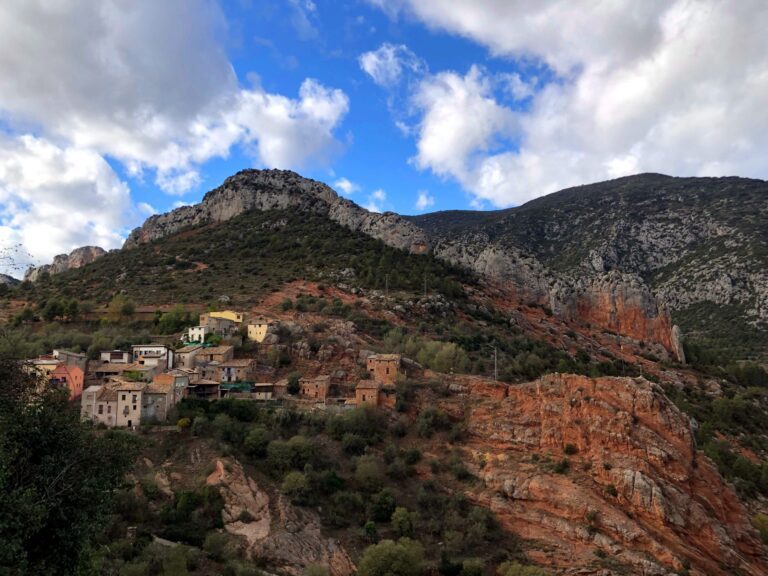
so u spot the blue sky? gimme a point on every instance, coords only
(271, 40)
(112, 111)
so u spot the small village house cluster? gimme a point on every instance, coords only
(126, 388)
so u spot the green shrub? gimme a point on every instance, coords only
(388, 558)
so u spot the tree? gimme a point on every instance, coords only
(120, 307)
(403, 522)
(296, 486)
(388, 558)
(293, 384)
(56, 477)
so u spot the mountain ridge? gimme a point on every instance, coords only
(623, 254)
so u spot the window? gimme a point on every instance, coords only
(101, 408)
(123, 397)
(134, 398)
(134, 407)
(109, 409)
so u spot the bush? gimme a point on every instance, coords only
(472, 567)
(515, 569)
(256, 442)
(562, 466)
(760, 521)
(368, 474)
(183, 424)
(383, 506)
(570, 449)
(218, 546)
(296, 486)
(388, 558)
(403, 521)
(353, 443)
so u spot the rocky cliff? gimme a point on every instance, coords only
(584, 469)
(77, 258)
(697, 247)
(280, 189)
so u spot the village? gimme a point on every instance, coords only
(126, 389)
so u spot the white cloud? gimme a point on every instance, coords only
(146, 209)
(149, 85)
(55, 199)
(346, 186)
(386, 64)
(376, 201)
(667, 86)
(424, 200)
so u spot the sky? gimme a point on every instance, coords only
(113, 110)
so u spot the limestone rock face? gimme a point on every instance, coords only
(76, 259)
(281, 189)
(287, 537)
(635, 487)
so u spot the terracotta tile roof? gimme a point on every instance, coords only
(385, 357)
(218, 350)
(190, 348)
(159, 388)
(113, 367)
(238, 363)
(367, 385)
(107, 394)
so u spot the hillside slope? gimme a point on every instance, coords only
(700, 244)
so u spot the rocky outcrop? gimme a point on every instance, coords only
(76, 259)
(633, 488)
(280, 190)
(9, 280)
(288, 538)
(610, 300)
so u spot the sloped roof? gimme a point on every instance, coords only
(367, 385)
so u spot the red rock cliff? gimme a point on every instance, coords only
(636, 489)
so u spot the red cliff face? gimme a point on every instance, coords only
(635, 490)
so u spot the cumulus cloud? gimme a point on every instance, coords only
(54, 199)
(376, 201)
(386, 64)
(346, 186)
(676, 87)
(147, 84)
(424, 200)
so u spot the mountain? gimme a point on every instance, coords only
(538, 419)
(699, 244)
(635, 256)
(77, 258)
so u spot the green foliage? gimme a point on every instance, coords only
(219, 546)
(383, 505)
(472, 567)
(388, 558)
(760, 521)
(296, 486)
(368, 474)
(403, 521)
(175, 321)
(515, 569)
(256, 441)
(353, 444)
(430, 420)
(294, 386)
(56, 477)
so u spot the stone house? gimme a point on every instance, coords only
(196, 334)
(263, 391)
(157, 355)
(384, 367)
(69, 377)
(372, 393)
(205, 390)
(178, 381)
(115, 357)
(315, 388)
(258, 330)
(185, 357)
(239, 370)
(158, 397)
(215, 354)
